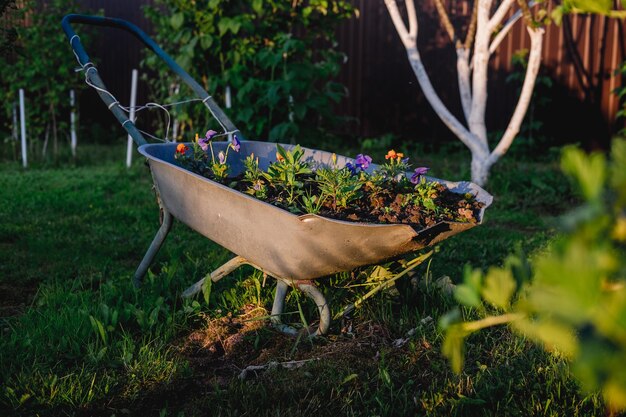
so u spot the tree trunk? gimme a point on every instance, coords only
(480, 169)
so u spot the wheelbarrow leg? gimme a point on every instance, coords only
(311, 291)
(160, 236)
(216, 275)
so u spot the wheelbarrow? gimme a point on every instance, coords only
(294, 249)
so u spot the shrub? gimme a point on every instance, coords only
(278, 57)
(571, 299)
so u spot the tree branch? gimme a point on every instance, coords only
(471, 30)
(446, 23)
(479, 76)
(410, 9)
(398, 23)
(528, 16)
(469, 139)
(497, 17)
(504, 31)
(463, 76)
(534, 62)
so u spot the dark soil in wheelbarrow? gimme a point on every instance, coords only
(395, 204)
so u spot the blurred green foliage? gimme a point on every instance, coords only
(278, 57)
(572, 298)
(39, 61)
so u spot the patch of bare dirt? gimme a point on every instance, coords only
(14, 298)
(245, 347)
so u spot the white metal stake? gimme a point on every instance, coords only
(74, 139)
(131, 116)
(23, 128)
(228, 106)
(176, 89)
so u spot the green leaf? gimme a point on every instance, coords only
(349, 378)
(467, 295)
(451, 317)
(177, 20)
(551, 333)
(257, 6)
(618, 169)
(223, 25)
(592, 6)
(98, 328)
(384, 375)
(429, 203)
(234, 26)
(206, 41)
(206, 288)
(589, 171)
(454, 346)
(499, 287)
(282, 152)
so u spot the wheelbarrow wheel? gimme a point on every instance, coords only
(312, 292)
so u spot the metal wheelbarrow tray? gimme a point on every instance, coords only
(294, 249)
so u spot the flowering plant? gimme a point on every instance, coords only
(198, 159)
(356, 190)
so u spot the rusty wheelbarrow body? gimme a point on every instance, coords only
(294, 249)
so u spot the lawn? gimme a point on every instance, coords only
(78, 339)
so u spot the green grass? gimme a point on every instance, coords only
(78, 339)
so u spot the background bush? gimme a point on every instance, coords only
(278, 57)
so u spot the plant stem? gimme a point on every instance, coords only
(473, 326)
(386, 284)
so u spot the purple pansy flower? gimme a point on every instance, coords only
(351, 167)
(236, 144)
(221, 157)
(363, 161)
(415, 178)
(204, 143)
(210, 133)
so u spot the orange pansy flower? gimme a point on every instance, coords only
(279, 157)
(181, 148)
(394, 155)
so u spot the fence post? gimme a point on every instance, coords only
(23, 128)
(74, 139)
(131, 116)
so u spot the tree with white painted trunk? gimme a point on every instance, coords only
(485, 31)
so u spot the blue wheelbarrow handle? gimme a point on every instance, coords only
(109, 100)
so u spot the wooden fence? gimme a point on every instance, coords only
(579, 106)
(579, 57)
